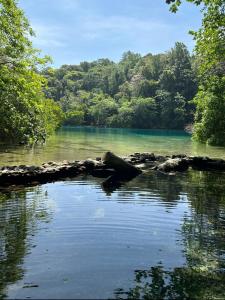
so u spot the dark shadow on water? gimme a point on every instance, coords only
(114, 182)
(180, 283)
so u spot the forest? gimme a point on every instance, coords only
(171, 90)
(88, 209)
(153, 91)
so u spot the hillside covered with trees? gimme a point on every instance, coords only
(154, 91)
(168, 90)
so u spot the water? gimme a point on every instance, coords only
(158, 236)
(75, 143)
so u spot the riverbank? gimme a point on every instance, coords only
(99, 167)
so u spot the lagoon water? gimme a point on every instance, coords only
(75, 143)
(157, 236)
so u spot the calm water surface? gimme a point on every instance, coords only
(75, 143)
(158, 236)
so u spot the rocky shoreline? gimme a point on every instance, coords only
(112, 168)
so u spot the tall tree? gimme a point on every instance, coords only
(25, 114)
(210, 52)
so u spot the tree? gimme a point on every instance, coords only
(24, 109)
(171, 109)
(178, 75)
(210, 52)
(144, 113)
(103, 108)
(128, 87)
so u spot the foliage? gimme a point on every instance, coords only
(25, 113)
(145, 92)
(210, 54)
(202, 232)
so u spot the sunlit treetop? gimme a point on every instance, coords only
(176, 3)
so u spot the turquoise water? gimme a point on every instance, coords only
(75, 143)
(158, 236)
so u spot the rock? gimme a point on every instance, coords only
(206, 163)
(115, 169)
(90, 164)
(161, 158)
(52, 163)
(147, 157)
(128, 159)
(179, 156)
(147, 165)
(133, 159)
(122, 167)
(176, 164)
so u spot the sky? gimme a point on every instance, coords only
(71, 31)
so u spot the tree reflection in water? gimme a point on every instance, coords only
(19, 213)
(180, 283)
(203, 234)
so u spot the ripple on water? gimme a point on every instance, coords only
(70, 238)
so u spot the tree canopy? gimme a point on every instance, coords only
(26, 115)
(166, 90)
(151, 91)
(210, 56)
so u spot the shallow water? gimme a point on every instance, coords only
(75, 143)
(158, 236)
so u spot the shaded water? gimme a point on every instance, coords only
(75, 143)
(158, 236)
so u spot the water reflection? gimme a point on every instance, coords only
(19, 216)
(180, 283)
(170, 229)
(203, 233)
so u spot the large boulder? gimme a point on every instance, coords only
(123, 168)
(173, 165)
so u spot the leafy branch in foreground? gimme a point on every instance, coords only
(25, 114)
(210, 52)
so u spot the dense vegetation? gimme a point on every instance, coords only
(169, 90)
(153, 91)
(210, 53)
(26, 115)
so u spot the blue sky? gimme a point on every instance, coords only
(72, 31)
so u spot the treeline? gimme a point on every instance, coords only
(153, 91)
